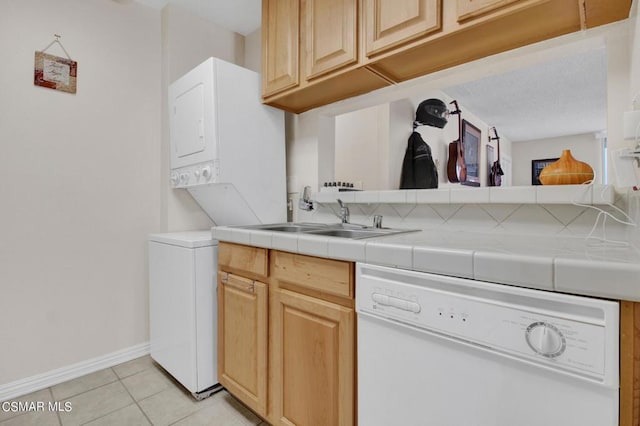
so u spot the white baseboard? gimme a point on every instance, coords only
(40, 381)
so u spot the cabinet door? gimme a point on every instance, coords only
(389, 23)
(280, 21)
(471, 8)
(329, 34)
(242, 339)
(312, 361)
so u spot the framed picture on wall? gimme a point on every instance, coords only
(471, 150)
(54, 72)
(536, 168)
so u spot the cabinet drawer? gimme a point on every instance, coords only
(253, 260)
(328, 276)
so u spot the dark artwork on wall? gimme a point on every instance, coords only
(471, 149)
(536, 168)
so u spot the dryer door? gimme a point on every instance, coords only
(192, 117)
(188, 122)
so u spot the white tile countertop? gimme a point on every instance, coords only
(564, 264)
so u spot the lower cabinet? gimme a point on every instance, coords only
(286, 336)
(312, 357)
(242, 339)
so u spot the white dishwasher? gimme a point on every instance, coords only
(183, 308)
(444, 351)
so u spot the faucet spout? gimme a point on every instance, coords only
(344, 211)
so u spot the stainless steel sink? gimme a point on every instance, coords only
(349, 233)
(285, 227)
(340, 230)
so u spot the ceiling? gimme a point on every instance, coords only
(241, 16)
(566, 96)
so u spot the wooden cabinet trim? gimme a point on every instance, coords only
(243, 259)
(601, 12)
(629, 364)
(469, 9)
(317, 294)
(347, 82)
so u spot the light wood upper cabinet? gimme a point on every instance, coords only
(242, 339)
(280, 37)
(349, 47)
(468, 9)
(329, 35)
(313, 359)
(389, 23)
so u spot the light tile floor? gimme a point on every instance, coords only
(137, 392)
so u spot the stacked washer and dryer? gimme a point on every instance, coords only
(228, 152)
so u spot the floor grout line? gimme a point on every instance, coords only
(134, 400)
(66, 398)
(235, 413)
(57, 412)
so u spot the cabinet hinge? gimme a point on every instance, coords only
(225, 277)
(252, 286)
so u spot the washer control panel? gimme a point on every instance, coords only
(197, 174)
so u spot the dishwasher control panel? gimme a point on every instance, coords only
(556, 330)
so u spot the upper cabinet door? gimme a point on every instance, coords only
(329, 34)
(468, 9)
(280, 20)
(389, 23)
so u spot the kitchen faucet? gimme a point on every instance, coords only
(344, 211)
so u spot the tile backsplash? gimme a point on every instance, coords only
(521, 219)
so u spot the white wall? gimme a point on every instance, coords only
(401, 115)
(188, 40)
(253, 51)
(634, 49)
(634, 52)
(79, 183)
(585, 147)
(360, 154)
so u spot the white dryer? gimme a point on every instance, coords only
(183, 308)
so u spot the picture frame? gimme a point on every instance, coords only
(537, 166)
(54, 72)
(471, 145)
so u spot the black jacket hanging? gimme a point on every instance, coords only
(418, 169)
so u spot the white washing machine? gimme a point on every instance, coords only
(183, 308)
